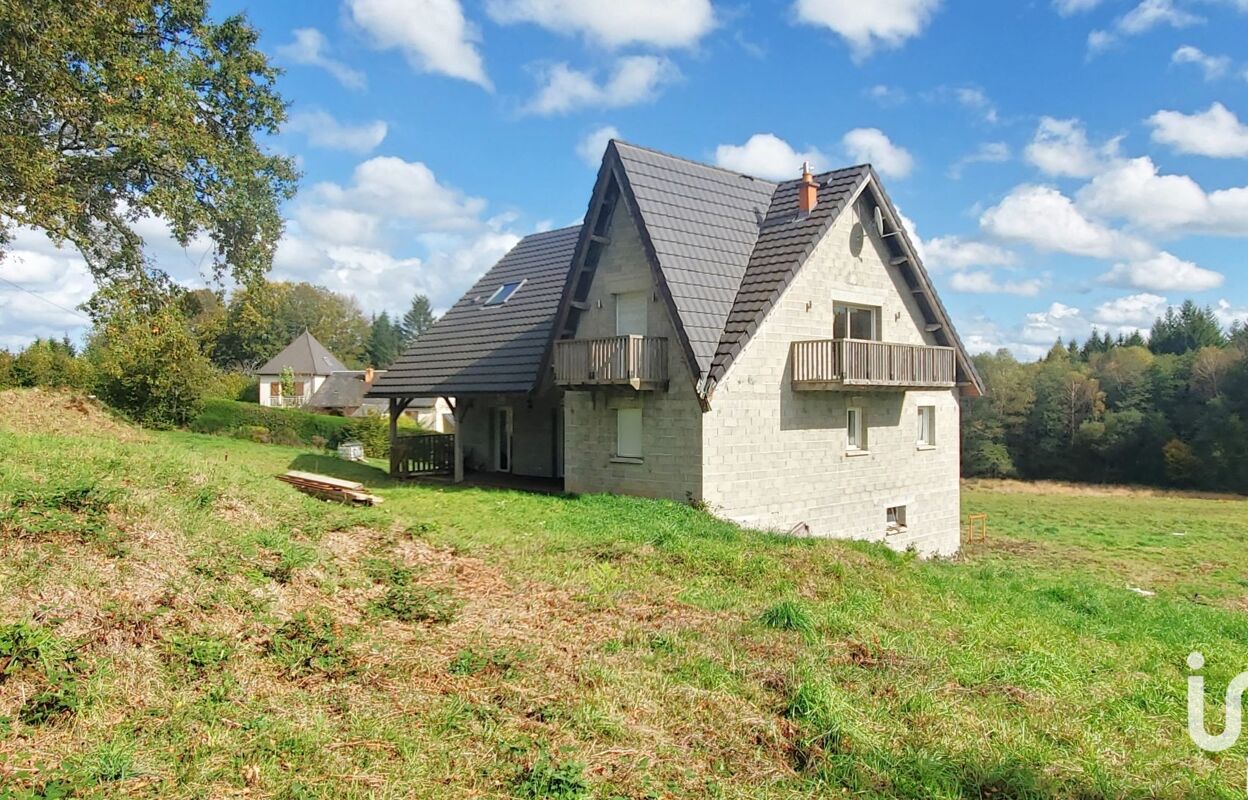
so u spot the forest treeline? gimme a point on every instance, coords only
(1170, 410)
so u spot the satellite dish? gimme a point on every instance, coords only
(879, 221)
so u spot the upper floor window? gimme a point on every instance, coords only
(855, 322)
(927, 426)
(503, 293)
(630, 313)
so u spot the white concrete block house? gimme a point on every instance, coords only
(774, 351)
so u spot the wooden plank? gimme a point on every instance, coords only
(325, 479)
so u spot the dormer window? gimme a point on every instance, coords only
(503, 293)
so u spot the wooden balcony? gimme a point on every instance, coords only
(834, 364)
(636, 361)
(427, 454)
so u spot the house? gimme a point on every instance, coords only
(344, 394)
(312, 365)
(773, 351)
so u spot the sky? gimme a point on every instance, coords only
(1064, 164)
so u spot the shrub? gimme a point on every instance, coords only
(372, 431)
(149, 365)
(232, 386)
(286, 425)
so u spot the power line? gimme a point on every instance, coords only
(38, 296)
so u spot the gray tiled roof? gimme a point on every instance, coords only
(784, 242)
(341, 390)
(305, 356)
(703, 222)
(476, 349)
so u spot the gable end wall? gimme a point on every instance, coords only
(774, 458)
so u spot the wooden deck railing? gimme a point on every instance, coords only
(427, 454)
(636, 361)
(835, 363)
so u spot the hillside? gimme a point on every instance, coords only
(176, 623)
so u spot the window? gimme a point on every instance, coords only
(895, 519)
(855, 431)
(854, 322)
(503, 293)
(927, 426)
(628, 433)
(630, 314)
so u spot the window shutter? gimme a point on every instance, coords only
(628, 432)
(630, 314)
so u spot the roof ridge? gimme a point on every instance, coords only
(702, 164)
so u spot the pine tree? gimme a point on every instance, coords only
(385, 342)
(418, 319)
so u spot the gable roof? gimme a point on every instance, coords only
(702, 223)
(341, 390)
(478, 349)
(305, 356)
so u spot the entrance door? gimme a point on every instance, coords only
(502, 439)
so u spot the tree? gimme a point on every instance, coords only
(418, 319)
(148, 362)
(47, 362)
(117, 110)
(1190, 328)
(1210, 369)
(262, 319)
(385, 342)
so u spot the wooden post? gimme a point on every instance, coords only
(394, 430)
(461, 411)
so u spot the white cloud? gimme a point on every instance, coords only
(977, 100)
(1214, 67)
(869, 26)
(432, 34)
(987, 153)
(1228, 315)
(1134, 191)
(1069, 7)
(591, 148)
(887, 96)
(984, 282)
(765, 155)
(1047, 220)
(1060, 147)
(870, 145)
(323, 130)
(633, 80)
(405, 190)
(953, 252)
(1146, 16)
(1060, 321)
(310, 48)
(1216, 132)
(1163, 272)
(1130, 313)
(657, 23)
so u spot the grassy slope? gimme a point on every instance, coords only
(480, 643)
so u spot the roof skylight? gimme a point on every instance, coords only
(503, 293)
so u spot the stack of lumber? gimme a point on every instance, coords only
(328, 488)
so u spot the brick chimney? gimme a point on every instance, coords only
(807, 191)
(368, 376)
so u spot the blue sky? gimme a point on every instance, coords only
(1065, 163)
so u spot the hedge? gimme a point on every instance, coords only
(291, 426)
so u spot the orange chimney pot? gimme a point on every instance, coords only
(807, 191)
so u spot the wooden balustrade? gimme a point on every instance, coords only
(839, 363)
(427, 454)
(636, 361)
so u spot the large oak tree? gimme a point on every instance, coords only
(111, 110)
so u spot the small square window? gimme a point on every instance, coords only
(855, 431)
(895, 519)
(503, 293)
(927, 426)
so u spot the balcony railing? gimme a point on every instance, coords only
(844, 363)
(428, 454)
(636, 361)
(277, 401)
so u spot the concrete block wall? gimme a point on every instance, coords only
(773, 457)
(671, 464)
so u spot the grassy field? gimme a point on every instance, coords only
(176, 623)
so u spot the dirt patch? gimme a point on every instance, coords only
(1088, 490)
(64, 413)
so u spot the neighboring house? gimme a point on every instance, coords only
(343, 394)
(774, 351)
(311, 363)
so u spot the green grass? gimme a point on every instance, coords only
(182, 625)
